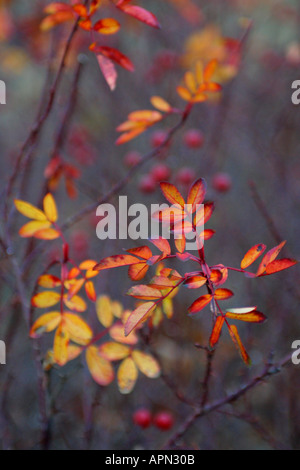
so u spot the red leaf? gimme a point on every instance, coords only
(139, 13)
(238, 343)
(113, 54)
(108, 70)
(279, 265)
(162, 244)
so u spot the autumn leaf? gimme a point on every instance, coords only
(45, 323)
(270, 256)
(161, 104)
(144, 292)
(215, 334)
(238, 343)
(50, 208)
(45, 299)
(252, 255)
(29, 210)
(31, 228)
(100, 368)
(108, 70)
(223, 294)
(146, 364)
(60, 348)
(49, 281)
(138, 13)
(197, 194)
(127, 375)
(114, 351)
(139, 315)
(195, 282)
(115, 261)
(200, 303)
(107, 26)
(279, 265)
(114, 55)
(78, 330)
(104, 311)
(172, 194)
(117, 333)
(246, 314)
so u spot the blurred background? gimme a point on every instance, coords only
(245, 143)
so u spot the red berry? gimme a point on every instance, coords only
(132, 158)
(142, 417)
(160, 172)
(147, 184)
(221, 182)
(186, 176)
(193, 139)
(163, 420)
(158, 137)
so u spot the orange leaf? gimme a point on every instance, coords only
(215, 334)
(107, 26)
(127, 375)
(144, 292)
(162, 244)
(115, 262)
(117, 333)
(138, 316)
(31, 228)
(57, 18)
(47, 234)
(45, 299)
(141, 251)
(269, 257)
(252, 255)
(200, 303)
(90, 291)
(209, 70)
(238, 343)
(223, 294)
(197, 193)
(195, 282)
(100, 368)
(180, 244)
(172, 194)
(251, 317)
(138, 271)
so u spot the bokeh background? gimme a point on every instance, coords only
(250, 135)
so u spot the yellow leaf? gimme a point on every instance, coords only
(114, 351)
(73, 351)
(29, 210)
(146, 364)
(117, 308)
(99, 367)
(31, 228)
(104, 311)
(49, 281)
(127, 375)
(107, 26)
(160, 104)
(45, 299)
(75, 303)
(79, 331)
(60, 348)
(45, 324)
(184, 93)
(50, 207)
(87, 264)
